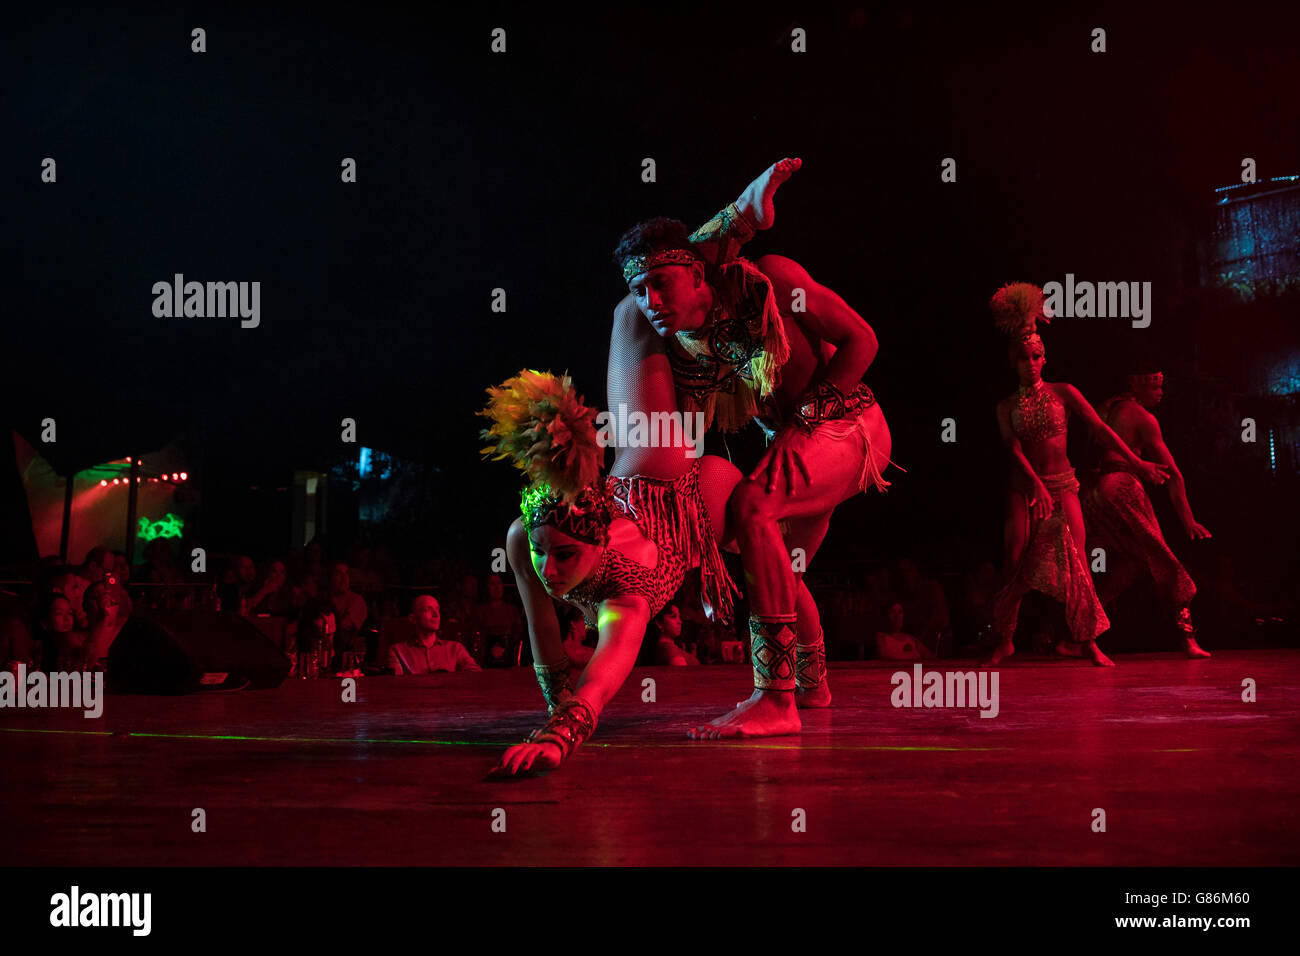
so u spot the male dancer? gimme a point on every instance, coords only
(1119, 516)
(764, 340)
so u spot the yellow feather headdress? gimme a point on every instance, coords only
(541, 425)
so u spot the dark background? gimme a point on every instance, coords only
(521, 170)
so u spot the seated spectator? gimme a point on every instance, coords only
(62, 646)
(106, 621)
(925, 609)
(99, 563)
(977, 603)
(351, 613)
(350, 605)
(424, 653)
(575, 636)
(665, 629)
(273, 596)
(495, 617)
(73, 587)
(119, 576)
(158, 569)
(236, 586)
(314, 634)
(895, 644)
(501, 626)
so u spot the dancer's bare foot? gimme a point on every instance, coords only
(756, 201)
(1005, 649)
(813, 698)
(1094, 653)
(1070, 649)
(1192, 649)
(769, 713)
(523, 759)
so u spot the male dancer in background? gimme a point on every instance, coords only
(1118, 512)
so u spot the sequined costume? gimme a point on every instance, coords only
(673, 515)
(1038, 414)
(1053, 564)
(1121, 520)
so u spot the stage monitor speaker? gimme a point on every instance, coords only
(180, 652)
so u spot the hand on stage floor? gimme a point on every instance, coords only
(527, 758)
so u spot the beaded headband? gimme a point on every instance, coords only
(634, 266)
(586, 518)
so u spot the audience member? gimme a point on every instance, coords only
(72, 586)
(105, 619)
(575, 635)
(273, 597)
(897, 645)
(424, 653)
(62, 646)
(925, 609)
(351, 610)
(501, 626)
(664, 631)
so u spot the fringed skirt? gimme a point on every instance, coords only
(674, 516)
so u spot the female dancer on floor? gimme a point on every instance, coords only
(618, 548)
(1044, 533)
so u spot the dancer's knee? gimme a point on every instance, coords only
(752, 506)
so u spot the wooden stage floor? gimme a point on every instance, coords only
(1187, 774)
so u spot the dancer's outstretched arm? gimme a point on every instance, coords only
(622, 622)
(1151, 438)
(543, 626)
(1105, 435)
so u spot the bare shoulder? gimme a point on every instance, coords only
(1140, 419)
(782, 269)
(1067, 392)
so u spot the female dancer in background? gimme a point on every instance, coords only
(1044, 533)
